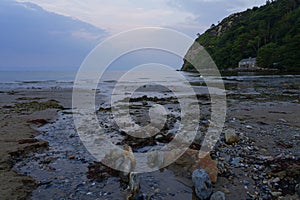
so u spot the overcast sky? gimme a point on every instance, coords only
(189, 16)
(58, 34)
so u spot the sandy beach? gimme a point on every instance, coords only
(150, 100)
(17, 135)
(263, 162)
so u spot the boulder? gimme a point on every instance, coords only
(193, 159)
(202, 184)
(210, 166)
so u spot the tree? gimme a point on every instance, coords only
(268, 56)
(271, 33)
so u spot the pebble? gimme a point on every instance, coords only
(235, 162)
(282, 120)
(276, 180)
(297, 189)
(276, 194)
(202, 184)
(249, 127)
(245, 182)
(231, 137)
(218, 196)
(159, 137)
(226, 191)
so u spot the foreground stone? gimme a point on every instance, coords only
(202, 184)
(210, 166)
(218, 196)
(192, 160)
(297, 189)
(231, 137)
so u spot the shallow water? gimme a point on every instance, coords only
(62, 170)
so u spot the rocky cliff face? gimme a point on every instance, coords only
(225, 24)
(214, 31)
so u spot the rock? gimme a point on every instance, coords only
(159, 137)
(245, 182)
(126, 161)
(235, 162)
(202, 184)
(276, 194)
(226, 191)
(293, 170)
(71, 157)
(38, 121)
(210, 166)
(192, 160)
(297, 189)
(290, 197)
(284, 144)
(282, 120)
(134, 183)
(27, 141)
(276, 180)
(218, 196)
(249, 127)
(231, 137)
(98, 171)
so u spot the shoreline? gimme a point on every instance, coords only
(17, 146)
(235, 72)
(18, 136)
(259, 120)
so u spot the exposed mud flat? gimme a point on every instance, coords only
(263, 113)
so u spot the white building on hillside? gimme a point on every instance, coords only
(248, 63)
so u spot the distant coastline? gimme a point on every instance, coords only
(258, 71)
(267, 33)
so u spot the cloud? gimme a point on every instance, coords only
(61, 32)
(190, 16)
(207, 12)
(117, 15)
(32, 37)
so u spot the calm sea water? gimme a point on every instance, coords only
(35, 76)
(65, 79)
(44, 79)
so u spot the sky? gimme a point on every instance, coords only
(189, 16)
(58, 34)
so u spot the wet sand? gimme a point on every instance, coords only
(17, 136)
(267, 125)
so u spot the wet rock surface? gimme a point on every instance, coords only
(231, 137)
(218, 196)
(260, 161)
(202, 184)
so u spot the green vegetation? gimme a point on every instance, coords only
(32, 106)
(271, 33)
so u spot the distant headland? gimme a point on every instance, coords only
(267, 37)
